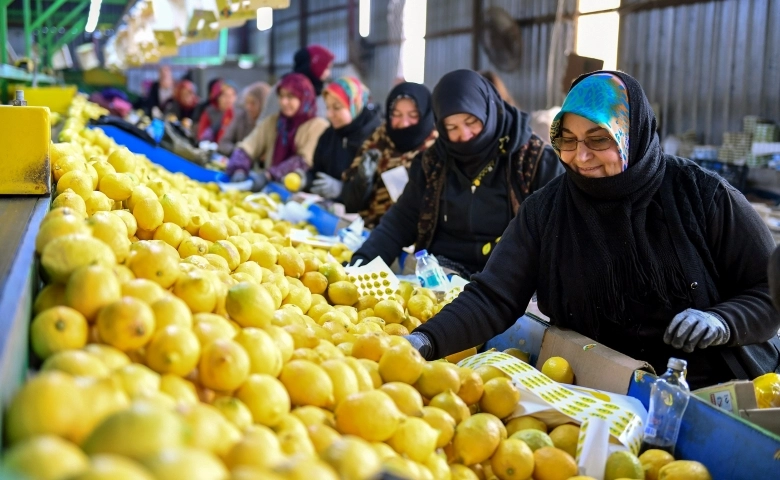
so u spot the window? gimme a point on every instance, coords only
(412, 65)
(598, 26)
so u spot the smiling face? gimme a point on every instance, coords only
(404, 114)
(288, 103)
(583, 160)
(338, 113)
(462, 127)
(227, 98)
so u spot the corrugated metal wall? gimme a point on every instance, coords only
(707, 64)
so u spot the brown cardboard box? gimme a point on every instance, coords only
(730, 396)
(594, 365)
(766, 418)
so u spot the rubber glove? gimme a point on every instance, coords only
(239, 160)
(368, 166)
(421, 343)
(326, 186)
(692, 329)
(259, 180)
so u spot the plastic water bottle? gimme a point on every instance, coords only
(429, 272)
(668, 399)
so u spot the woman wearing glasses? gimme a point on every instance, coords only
(469, 185)
(644, 252)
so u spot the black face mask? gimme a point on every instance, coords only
(409, 138)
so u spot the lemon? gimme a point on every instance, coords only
(303, 336)
(123, 160)
(49, 403)
(45, 457)
(52, 295)
(489, 372)
(116, 186)
(243, 247)
(264, 254)
(307, 384)
(559, 370)
(90, 288)
(169, 233)
(259, 447)
(294, 437)
(396, 329)
(78, 181)
(534, 438)
(458, 356)
(452, 404)
(621, 464)
(420, 306)
(500, 397)
(684, 469)
(228, 251)
(400, 467)
(342, 377)
(513, 460)
(252, 269)
(148, 213)
(197, 291)
(383, 451)
(182, 391)
(414, 438)
(331, 315)
(210, 430)
(310, 415)
(352, 458)
(77, 363)
(110, 356)
(437, 377)
(553, 464)
(476, 439)
(525, 423)
(767, 388)
(371, 415)
(343, 293)
(175, 209)
(235, 411)
(126, 324)
(283, 341)
(304, 468)
(565, 437)
(264, 355)
(224, 365)
(72, 201)
(390, 311)
(292, 262)
(113, 467)
(250, 305)
(461, 472)
(441, 421)
(471, 386)
(174, 350)
(106, 396)
(158, 263)
(653, 460)
(266, 398)
(171, 310)
(372, 368)
(292, 182)
(128, 219)
(102, 168)
(145, 290)
(64, 255)
(371, 346)
(218, 262)
(187, 463)
(111, 230)
(98, 202)
(137, 380)
(53, 228)
(57, 329)
(193, 246)
(213, 230)
(322, 437)
(406, 398)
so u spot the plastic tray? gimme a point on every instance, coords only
(325, 222)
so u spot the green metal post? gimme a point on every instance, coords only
(38, 8)
(27, 29)
(75, 30)
(3, 30)
(66, 22)
(223, 42)
(48, 13)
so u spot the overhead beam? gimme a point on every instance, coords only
(74, 31)
(47, 13)
(69, 18)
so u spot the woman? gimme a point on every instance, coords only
(467, 188)
(352, 119)
(184, 101)
(493, 78)
(284, 141)
(218, 114)
(159, 92)
(644, 252)
(245, 118)
(407, 132)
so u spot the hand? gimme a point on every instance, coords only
(368, 166)
(421, 343)
(259, 180)
(692, 329)
(239, 160)
(238, 176)
(326, 186)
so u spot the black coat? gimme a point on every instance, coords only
(337, 148)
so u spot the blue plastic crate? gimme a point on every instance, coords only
(162, 157)
(325, 222)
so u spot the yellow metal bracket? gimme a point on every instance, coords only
(25, 136)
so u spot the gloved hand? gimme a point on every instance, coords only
(326, 186)
(368, 166)
(238, 176)
(259, 180)
(692, 329)
(421, 343)
(239, 160)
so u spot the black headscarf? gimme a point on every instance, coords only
(600, 246)
(409, 138)
(505, 128)
(302, 65)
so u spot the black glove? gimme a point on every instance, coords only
(421, 343)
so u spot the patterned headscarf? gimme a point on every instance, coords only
(352, 93)
(286, 128)
(601, 98)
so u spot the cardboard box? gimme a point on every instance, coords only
(730, 396)
(766, 418)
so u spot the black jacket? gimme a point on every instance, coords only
(738, 246)
(337, 148)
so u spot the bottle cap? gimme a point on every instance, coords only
(421, 253)
(677, 364)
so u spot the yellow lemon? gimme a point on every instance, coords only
(442, 422)
(352, 458)
(181, 390)
(90, 288)
(228, 251)
(437, 465)
(559, 370)
(78, 181)
(126, 324)
(148, 213)
(420, 306)
(174, 350)
(371, 415)
(190, 463)
(145, 290)
(437, 377)
(621, 464)
(565, 437)
(264, 355)
(406, 398)
(250, 305)
(113, 467)
(310, 415)
(264, 254)
(243, 247)
(553, 464)
(210, 430)
(342, 377)
(489, 372)
(283, 340)
(102, 168)
(171, 310)
(684, 470)
(235, 411)
(52, 295)
(471, 386)
(371, 346)
(128, 219)
(57, 329)
(292, 262)
(224, 365)
(193, 246)
(123, 160)
(169, 233)
(259, 447)
(111, 357)
(396, 329)
(452, 404)
(157, 262)
(372, 368)
(64, 255)
(500, 397)
(307, 384)
(105, 396)
(116, 186)
(534, 438)
(197, 291)
(72, 201)
(66, 224)
(513, 460)
(213, 230)
(457, 357)
(390, 311)
(322, 437)
(476, 439)
(343, 293)
(98, 202)
(653, 460)
(218, 262)
(77, 363)
(45, 457)
(266, 397)
(767, 388)
(175, 209)
(138, 380)
(111, 230)
(525, 423)
(461, 472)
(292, 182)
(252, 269)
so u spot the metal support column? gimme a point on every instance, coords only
(223, 42)
(48, 13)
(27, 29)
(74, 31)
(66, 22)
(4, 30)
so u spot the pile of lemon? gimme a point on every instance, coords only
(183, 337)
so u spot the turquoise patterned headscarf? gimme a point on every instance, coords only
(601, 98)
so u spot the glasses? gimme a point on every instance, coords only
(596, 144)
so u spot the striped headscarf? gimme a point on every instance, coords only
(352, 93)
(601, 98)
